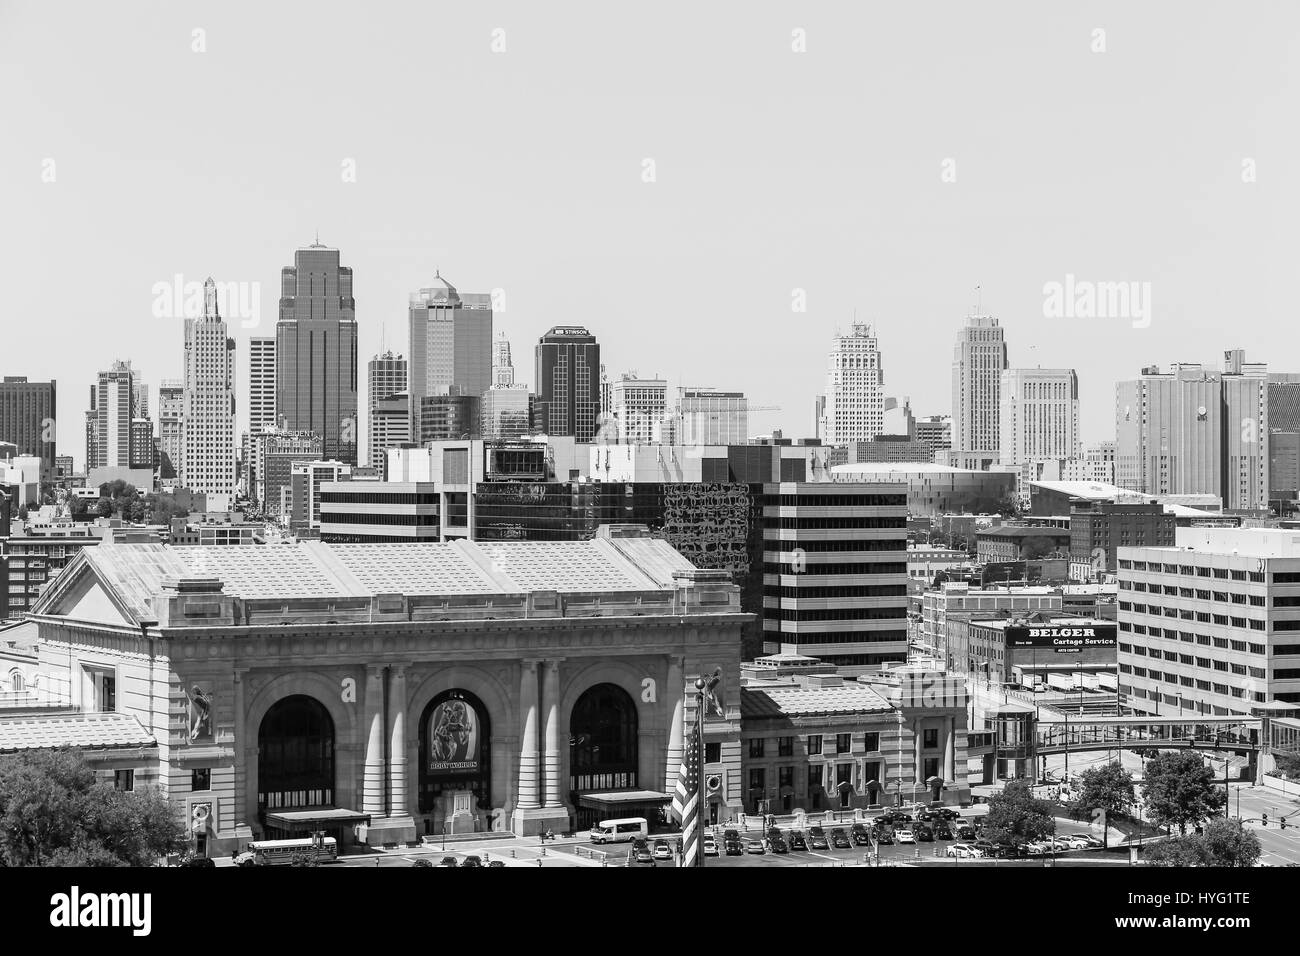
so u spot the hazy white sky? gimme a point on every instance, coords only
(775, 170)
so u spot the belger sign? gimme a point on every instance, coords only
(1061, 637)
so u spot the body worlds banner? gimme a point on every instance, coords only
(454, 738)
(1061, 637)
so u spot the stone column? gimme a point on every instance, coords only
(372, 777)
(528, 736)
(676, 693)
(397, 796)
(919, 765)
(551, 734)
(244, 807)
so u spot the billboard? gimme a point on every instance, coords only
(454, 737)
(1064, 638)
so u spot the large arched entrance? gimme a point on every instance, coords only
(602, 745)
(455, 754)
(295, 756)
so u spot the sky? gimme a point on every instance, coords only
(712, 189)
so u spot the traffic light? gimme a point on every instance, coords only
(1265, 818)
(1282, 822)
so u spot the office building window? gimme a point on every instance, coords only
(930, 739)
(124, 780)
(201, 778)
(843, 743)
(814, 744)
(931, 765)
(713, 753)
(756, 747)
(785, 746)
(871, 742)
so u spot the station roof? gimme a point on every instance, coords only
(846, 698)
(95, 731)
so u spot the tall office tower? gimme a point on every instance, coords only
(1283, 437)
(144, 453)
(710, 417)
(316, 351)
(451, 345)
(503, 369)
(1039, 414)
(978, 361)
(261, 383)
(27, 415)
(1195, 431)
(385, 377)
(855, 388)
(171, 412)
(108, 422)
(208, 426)
(639, 404)
(567, 382)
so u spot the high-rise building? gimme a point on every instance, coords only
(27, 417)
(316, 351)
(450, 345)
(144, 452)
(305, 481)
(709, 417)
(1195, 431)
(448, 417)
(277, 451)
(567, 383)
(978, 361)
(639, 404)
(385, 377)
(261, 383)
(171, 413)
(208, 428)
(1039, 414)
(108, 422)
(390, 427)
(855, 382)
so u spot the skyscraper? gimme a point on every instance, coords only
(27, 416)
(503, 369)
(385, 377)
(108, 422)
(855, 394)
(639, 404)
(1039, 414)
(709, 417)
(316, 351)
(208, 428)
(978, 361)
(451, 345)
(1195, 431)
(261, 383)
(171, 413)
(568, 383)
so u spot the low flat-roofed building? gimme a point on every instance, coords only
(817, 742)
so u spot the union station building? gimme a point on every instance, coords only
(380, 693)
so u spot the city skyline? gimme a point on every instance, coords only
(1094, 212)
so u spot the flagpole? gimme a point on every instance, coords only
(698, 757)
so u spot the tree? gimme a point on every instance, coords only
(1287, 764)
(1106, 790)
(1222, 843)
(1016, 816)
(1009, 505)
(1180, 789)
(54, 812)
(1037, 546)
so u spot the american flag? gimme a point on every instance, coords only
(686, 801)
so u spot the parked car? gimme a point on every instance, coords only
(778, 845)
(733, 848)
(964, 851)
(203, 862)
(924, 834)
(817, 839)
(730, 835)
(471, 861)
(948, 813)
(885, 835)
(1077, 841)
(797, 842)
(449, 861)
(1094, 843)
(861, 836)
(840, 839)
(905, 835)
(421, 863)
(662, 850)
(643, 854)
(1039, 848)
(710, 847)
(942, 831)
(965, 832)
(755, 847)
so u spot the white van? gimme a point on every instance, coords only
(619, 831)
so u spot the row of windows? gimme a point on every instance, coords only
(1205, 617)
(874, 567)
(837, 501)
(810, 547)
(1223, 597)
(378, 498)
(839, 614)
(847, 637)
(1188, 636)
(1187, 570)
(832, 524)
(423, 521)
(858, 590)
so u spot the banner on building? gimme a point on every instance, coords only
(454, 738)
(1062, 637)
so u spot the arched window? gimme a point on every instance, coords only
(455, 751)
(603, 740)
(16, 681)
(295, 755)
